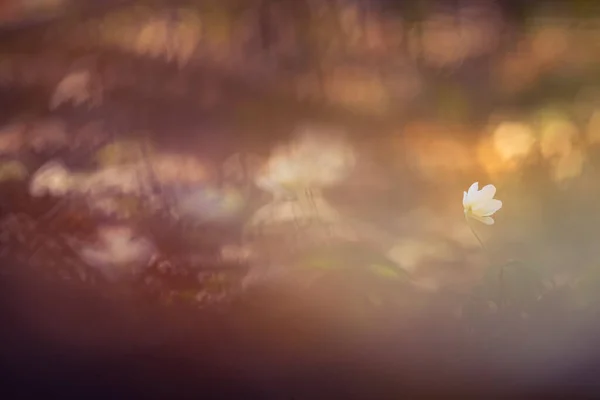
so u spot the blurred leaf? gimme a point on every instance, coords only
(129, 204)
(186, 35)
(153, 38)
(323, 261)
(76, 88)
(388, 271)
(12, 170)
(353, 256)
(120, 152)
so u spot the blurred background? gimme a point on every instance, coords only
(267, 194)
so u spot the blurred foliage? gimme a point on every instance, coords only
(123, 152)
(354, 257)
(351, 47)
(13, 170)
(430, 77)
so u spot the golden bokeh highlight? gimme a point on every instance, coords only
(593, 128)
(513, 140)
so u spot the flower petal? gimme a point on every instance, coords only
(487, 192)
(473, 189)
(470, 198)
(485, 220)
(487, 208)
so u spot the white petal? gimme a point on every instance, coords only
(487, 208)
(473, 189)
(487, 192)
(485, 220)
(470, 197)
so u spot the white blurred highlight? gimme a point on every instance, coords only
(314, 159)
(118, 253)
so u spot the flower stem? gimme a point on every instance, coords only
(485, 250)
(478, 238)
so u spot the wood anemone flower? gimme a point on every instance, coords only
(480, 204)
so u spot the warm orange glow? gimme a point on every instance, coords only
(517, 71)
(593, 128)
(557, 136)
(549, 44)
(513, 140)
(317, 185)
(568, 166)
(436, 151)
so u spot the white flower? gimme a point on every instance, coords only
(480, 204)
